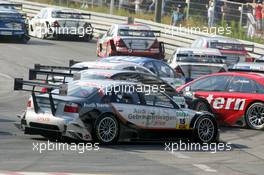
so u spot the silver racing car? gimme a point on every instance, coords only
(111, 110)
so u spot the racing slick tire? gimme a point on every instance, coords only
(201, 105)
(254, 116)
(106, 129)
(206, 130)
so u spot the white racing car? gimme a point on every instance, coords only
(61, 23)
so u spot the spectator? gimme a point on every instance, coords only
(210, 14)
(218, 9)
(164, 3)
(258, 7)
(224, 10)
(137, 6)
(152, 6)
(262, 16)
(177, 15)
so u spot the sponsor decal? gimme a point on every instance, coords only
(94, 105)
(43, 119)
(182, 124)
(150, 117)
(226, 103)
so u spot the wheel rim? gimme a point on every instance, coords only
(107, 129)
(256, 116)
(206, 130)
(201, 106)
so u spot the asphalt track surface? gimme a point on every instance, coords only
(17, 152)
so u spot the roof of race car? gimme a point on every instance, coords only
(104, 65)
(105, 72)
(133, 59)
(251, 75)
(101, 83)
(199, 51)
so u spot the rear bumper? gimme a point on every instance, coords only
(43, 132)
(54, 127)
(12, 33)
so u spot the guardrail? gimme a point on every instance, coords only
(172, 40)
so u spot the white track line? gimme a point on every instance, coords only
(180, 155)
(205, 168)
(45, 173)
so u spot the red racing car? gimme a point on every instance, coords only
(130, 40)
(236, 97)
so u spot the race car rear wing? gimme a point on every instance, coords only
(145, 33)
(19, 85)
(231, 46)
(74, 13)
(219, 59)
(62, 68)
(49, 75)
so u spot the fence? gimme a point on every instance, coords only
(234, 11)
(172, 40)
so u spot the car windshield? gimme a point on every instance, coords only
(62, 14)
(200, 58)
(83, 91)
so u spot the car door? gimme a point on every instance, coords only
(212, 89)
(147, 111)
(239, 94)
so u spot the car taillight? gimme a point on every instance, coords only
(71, 108)
(55, 24)
(29, 104)
(44, 90)
(120, 43)
(179, 71)
(250, 59)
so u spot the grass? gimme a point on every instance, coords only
(194, 21)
